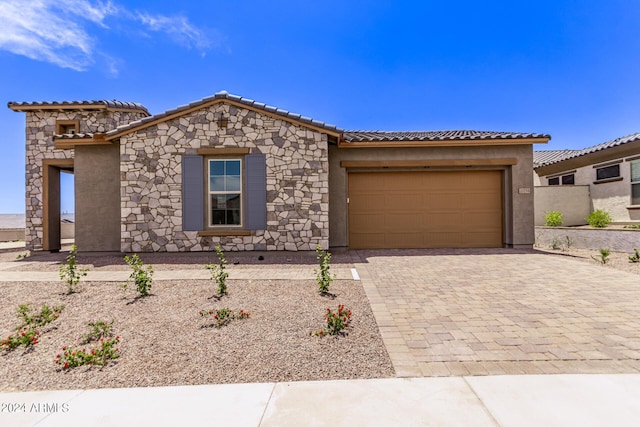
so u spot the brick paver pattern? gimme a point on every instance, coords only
(487, 312)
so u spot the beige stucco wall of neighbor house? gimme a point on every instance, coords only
(570, 200)
(151, 182)
(518, 205)
(613, 196)
(40, 128)
(97, 198)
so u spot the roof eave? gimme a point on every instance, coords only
(116, 134)
(64, 107)
(612, 153)
(444, 143)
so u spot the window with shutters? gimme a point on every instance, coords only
(635, 182)
(224, 193)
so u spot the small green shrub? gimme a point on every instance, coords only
(26, 334)
(223, 316)
(553, 219)
(568, 241)
(324, 277)
(100, 355)
(604, 256)
(635, 257)
(218, 273)
(70, 273)
(27, 337)
(97, 331)
(337, 321)
(599, 218)
(141, 278)
(633, 226)
(34, 320)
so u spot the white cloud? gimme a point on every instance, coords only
(58, 31)
(178, 28)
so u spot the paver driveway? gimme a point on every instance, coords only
(479, 312)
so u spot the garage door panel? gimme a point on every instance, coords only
(402, 222)
(369, 222)
(425, 209)
(406, 202)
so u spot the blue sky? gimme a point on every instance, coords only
(567, 68)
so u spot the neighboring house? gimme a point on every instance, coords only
(609, 174)
(234, 172)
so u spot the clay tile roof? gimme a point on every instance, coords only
(447, 135)
(63, 105)
(225, 95)
(546, 157)
(549, 157)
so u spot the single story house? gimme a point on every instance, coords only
(575, 182)
(230, 171)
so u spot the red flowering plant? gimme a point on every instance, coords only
(337, 322)
(27, 337)
(106, 350)
(26, 333)
(223, 316)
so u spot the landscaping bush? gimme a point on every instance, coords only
(599, 218)
(553, 219)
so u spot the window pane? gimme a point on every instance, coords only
(568, 179)
(217, 183)
(218, 217)
(233, 167)
(554, 181)
(635, 194)
(635, 171)
(608, 172)
(217, 167)
(233, 201)
(233, 183)
(233, 217)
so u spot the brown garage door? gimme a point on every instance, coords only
(452, 209)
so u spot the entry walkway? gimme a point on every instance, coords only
(518, 401)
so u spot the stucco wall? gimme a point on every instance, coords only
(570, 200)
(613, 197)
(518, 223)
(620, 240)
(297, 181)
(97, 191)
(40, 128)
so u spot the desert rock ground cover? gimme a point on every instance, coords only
(164, 340)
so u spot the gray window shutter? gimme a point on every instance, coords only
(192, 193)
(255, 175)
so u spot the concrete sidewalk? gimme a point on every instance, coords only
(293, 272)
(526, 400)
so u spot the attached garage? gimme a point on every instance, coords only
(440, 189)
(431, 209)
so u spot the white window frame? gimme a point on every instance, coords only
(210, 223)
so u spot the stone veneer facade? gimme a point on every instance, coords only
(40, 128)
(151, 181)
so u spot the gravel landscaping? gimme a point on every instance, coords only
(616, 260)
(164, 340)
